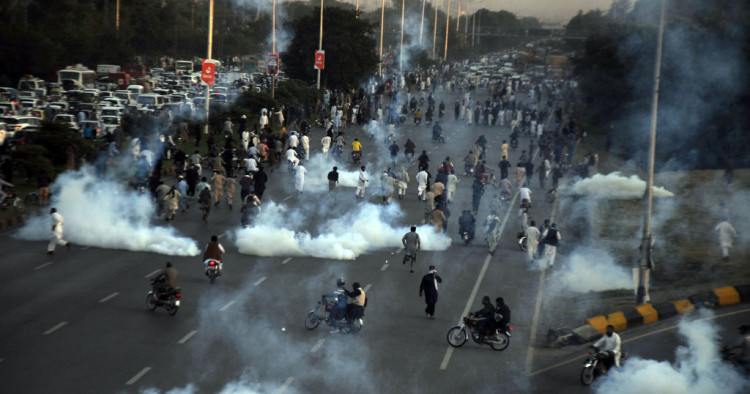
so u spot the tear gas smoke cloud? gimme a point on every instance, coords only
(367, 228)
(698, 369)
(589, 269)
(104, 213)
(616, 186)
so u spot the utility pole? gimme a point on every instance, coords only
(320, 41)
(210, 45)
(434, 32)
(447, 30)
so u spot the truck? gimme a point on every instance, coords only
(183, 67)
(29, 82)
(76, 77)
(105, 69)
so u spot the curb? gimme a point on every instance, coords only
(631, 317)
(14, 221)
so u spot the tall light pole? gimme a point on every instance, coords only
(646, 261)
(380, 61)
(117, 18)
(458, 16)
(447, 25)
(273, 76)
(421, 24)
(434, 32)
(210, 45)
(401, 54)
(320, 41)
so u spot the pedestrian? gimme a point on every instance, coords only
(520, 173)
(551, 237)
(421, 183)
(403, 182)
(393, 149)
(532, 240)
(246, 186)
(299, 178)
(56, 232)
(411, 244)
(727, 234)
(182, 188)
(326, 144)
(438, 218)
(476, 195)
(544, 171)
(451, 186)
(333, 180)
(217, 183)
(305, 143)
(229, 184)
(429, 287)
(361, 183)
(429, 206)
(504, 166)
(259, 182)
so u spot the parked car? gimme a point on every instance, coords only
(68, 119)
(108, 123)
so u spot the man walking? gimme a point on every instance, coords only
(727, 234)
(411, 244)
(361, 183)
(429, 287)
(532, 240)
(56, 232)
(333, 180)
(551, 239)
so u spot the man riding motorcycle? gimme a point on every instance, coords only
(355, 309)
(214, 251)
(467, 223)
(166, 280)
(486, 316)
(339, 310)
(610, 344)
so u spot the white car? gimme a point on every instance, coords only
(68, 119)
(19, 123)
(112, 111)
(109, 123)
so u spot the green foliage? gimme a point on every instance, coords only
(47, 149)
(33, 159)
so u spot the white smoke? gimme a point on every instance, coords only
(589, 269)
(106, 214)
(367, 228)
(616, 186)
(698, 367)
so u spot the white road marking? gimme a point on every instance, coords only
(286, 384)
(259, 281)
(47, 264)
(222, 236)
(384, 267)
(317, 345)
(398, 250)
(367, 288)
(537, 307)
(287, 198)
(187, 337)
(109, 297)
(152, 273)
(449, 351)
(286, 260)
(225, 307)
(138, 376)
(55, 328)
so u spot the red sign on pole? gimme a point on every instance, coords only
(208, 72)
(320, 60)
(273, 63)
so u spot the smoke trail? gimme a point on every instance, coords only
(698, 367)
(616, 186)
(589, 269)
(367, 228)
(105, 214)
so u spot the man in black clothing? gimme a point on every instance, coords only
(429, 287)
(504, 165)
(333, 180)
(502, 314)
(424, 161)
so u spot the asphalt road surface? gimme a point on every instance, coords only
(77, 322)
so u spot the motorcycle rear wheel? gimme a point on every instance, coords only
(211, 276)
(457, 336)
(171, 309)
(354, 327)
(587, 375)
(523, 244)
(501, 343)
(151, 301)
(312, 321)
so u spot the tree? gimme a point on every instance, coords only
(347, 41)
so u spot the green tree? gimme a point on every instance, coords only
(347, 41)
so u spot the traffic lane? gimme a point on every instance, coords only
(656, 341)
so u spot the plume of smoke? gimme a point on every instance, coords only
(698, 367)
(590, 269)
(367, 228)
(616, 186)
(104, 213)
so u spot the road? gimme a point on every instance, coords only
(78, 322)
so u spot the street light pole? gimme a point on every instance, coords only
(210, 44)
(421, 24)
(320, 41)
(401, 54)
(117, 18)
(458, 17)
(380, 62)
(646, 263)
(273, 76)
(434, 32)
(447, 25)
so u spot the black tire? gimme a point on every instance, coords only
(355, 327)
(151, 301)
(171, 309)
(211, 277)
(312, 321)
(457, 336)
(501, 343)
(587, 375)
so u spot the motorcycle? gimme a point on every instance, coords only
(356, 156)
(212, 270)
(322, 312)
(468, 170)
(466, 237)
(161, 296)
(593, 366)
(458, 335)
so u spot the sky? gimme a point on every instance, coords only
(547, 10)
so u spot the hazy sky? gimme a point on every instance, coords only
(559, 10)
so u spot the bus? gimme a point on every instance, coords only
(183, 67)
(76, 77)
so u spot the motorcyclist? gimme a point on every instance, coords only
(214, 251)
(166, 280)
(339, 310)
(742, 357)
(250, 210)
(470, 161)
(485, 315)
(610, 344)
(356, 149)
(355, 309)
(502, 314)
(291, 156)
(467, 223)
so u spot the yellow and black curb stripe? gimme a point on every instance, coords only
(636, 316)
(16, 220)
